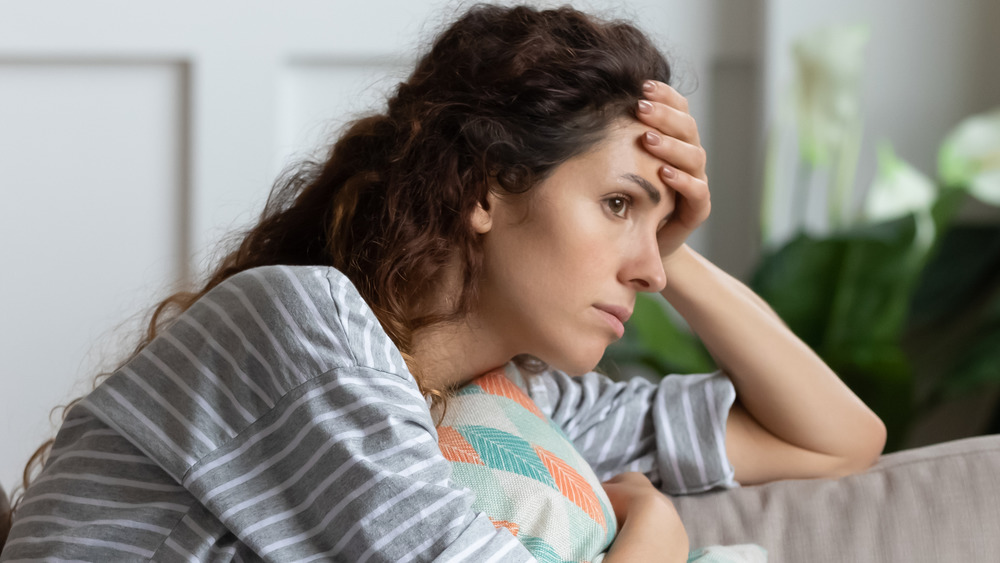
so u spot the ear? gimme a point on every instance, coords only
(482, 216)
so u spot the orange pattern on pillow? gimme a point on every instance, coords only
(456, 448)
(495, 383)
(573, 486)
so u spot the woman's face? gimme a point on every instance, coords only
(563, 262)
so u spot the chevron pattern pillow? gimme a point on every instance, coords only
(525, 472)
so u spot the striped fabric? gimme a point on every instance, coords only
(276, 421)
(673, 430)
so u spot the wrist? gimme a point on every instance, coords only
(681, 268)
(652, 531)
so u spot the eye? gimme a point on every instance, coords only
(618, 205)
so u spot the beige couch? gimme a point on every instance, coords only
(936, 504)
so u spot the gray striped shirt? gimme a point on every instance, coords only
(275, 420)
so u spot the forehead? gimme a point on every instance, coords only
(619, 159)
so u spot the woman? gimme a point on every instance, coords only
(533, 174)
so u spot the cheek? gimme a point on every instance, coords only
(561, 248)
(566, 255)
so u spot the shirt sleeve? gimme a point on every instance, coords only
(346, 467)
(674, 431)
(280, 404)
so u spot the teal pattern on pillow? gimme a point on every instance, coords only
(525, 472)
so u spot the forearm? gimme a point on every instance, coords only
(782, 384)
(650, 536)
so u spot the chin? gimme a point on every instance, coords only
(578, 365)
(572, 352)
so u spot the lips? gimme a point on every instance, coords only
(615, 316)
(620, 313)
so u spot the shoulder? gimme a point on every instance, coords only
(297, 307)
(255, 342)
(299, 287)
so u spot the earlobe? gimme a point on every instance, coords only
(482, 217)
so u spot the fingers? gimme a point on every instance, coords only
(665, 109)
(671, 121)
(692, 207)
(674, 139)
(657, 91)
(694, 202)
(690, 158)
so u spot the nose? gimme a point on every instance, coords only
(643, 268)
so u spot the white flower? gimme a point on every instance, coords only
(970, 157)
(829, 64)
(898, 189)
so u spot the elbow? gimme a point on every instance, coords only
(876, 440)
(867, 449)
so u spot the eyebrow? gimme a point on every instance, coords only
(654, 194)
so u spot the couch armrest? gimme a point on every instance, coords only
(937, 503)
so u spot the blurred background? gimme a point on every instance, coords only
(134, 136)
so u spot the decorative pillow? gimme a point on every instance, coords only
(529, 478)
(525, 472)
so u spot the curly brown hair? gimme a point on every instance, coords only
(504, 95)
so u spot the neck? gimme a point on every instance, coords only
(448, 355)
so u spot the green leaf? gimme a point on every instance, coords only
(799, 281)
(874, 285)
(958, 275)
(803, 280)
(978, 364)
(658, 333)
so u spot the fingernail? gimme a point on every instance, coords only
(667, 172)
(648, 86)
(652, 138)
(645, 107)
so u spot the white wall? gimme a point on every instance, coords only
(90, 181)
(132, 135)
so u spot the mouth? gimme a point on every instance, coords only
(615, 316)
